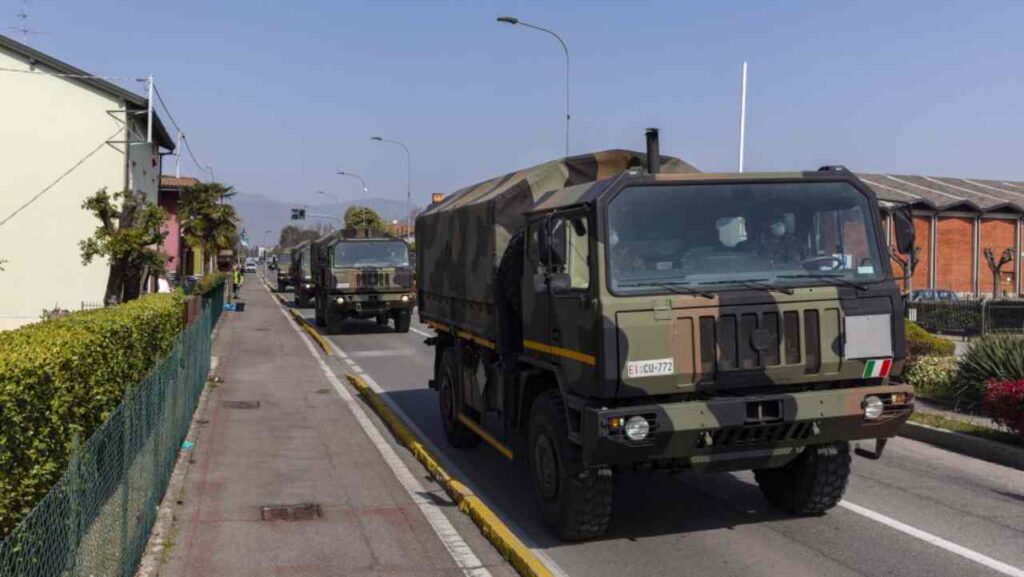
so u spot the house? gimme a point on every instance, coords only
(182, 260)
(65, 135)
(955, 220)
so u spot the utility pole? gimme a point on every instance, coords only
(408, 181)
(149, 110)
(177, 157)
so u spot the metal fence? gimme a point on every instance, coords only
(969, 318)
(98, 517)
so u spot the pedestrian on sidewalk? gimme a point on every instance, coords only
(236, 280)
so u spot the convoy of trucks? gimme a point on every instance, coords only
(621, 311)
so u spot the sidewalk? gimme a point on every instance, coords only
(302, 444)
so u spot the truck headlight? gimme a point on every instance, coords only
(637, 428)
(405, 298)
(873, 407)
(340, 300)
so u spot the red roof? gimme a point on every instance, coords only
(177, 182)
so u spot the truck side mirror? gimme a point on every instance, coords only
(904, 230)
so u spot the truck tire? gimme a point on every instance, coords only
(576, 502)
(334, 323)
(319, 312)
(281, 286)
(402, 321)
(302, 300)
(810, 484)
(448, 396)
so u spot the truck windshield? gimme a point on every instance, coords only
(371, 254)
(284, 259)
(769, 233)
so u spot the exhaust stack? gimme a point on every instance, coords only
(653, 151)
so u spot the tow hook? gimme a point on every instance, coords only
(873, 455)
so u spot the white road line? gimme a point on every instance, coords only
(964, 552)
(384, 353)
(419, 332)
(454, 469)
(464, 557)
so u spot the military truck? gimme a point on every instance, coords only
(281, 265)
(620, 311)
(301, 274)
(363, 276)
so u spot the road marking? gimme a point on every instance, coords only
(455, 470)
(964, 552)
(419, 332)
(384, 353)
(464, 557)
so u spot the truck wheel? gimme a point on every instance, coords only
(576, 502)
(319, 312)
(448, 394)
(302, 300)
(333, 323)
(402, 321)
(810, 484)
(281, 286)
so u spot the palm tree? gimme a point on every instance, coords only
(207, 222)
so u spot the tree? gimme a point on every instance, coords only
(292, 235)
(207, 222)
(129, 236)
(362, 218)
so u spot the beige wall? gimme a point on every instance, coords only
(48, 125)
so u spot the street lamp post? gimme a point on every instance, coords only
(331, 196)
(363, 182)
(408, 180)
(512, 20)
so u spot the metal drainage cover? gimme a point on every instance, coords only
(240, 404)
(301, 512)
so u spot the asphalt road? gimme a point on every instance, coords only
(918, 511)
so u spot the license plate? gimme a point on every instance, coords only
(650, 368)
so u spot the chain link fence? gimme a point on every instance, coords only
(98, 517)
(969, 318)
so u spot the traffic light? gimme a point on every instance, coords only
(298, 214)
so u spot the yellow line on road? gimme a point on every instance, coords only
(491, 526)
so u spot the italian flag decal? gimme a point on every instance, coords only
(876, 368)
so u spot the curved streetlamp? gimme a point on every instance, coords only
(408, 180)
(333, 197)
(514, 21)
(365, 190)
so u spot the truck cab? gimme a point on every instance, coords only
(301, 274)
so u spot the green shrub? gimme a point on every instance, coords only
(209, 282)
(998, 357)
(921, 343)
(62, 378)
(933, 377)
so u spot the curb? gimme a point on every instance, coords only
(976, 447)
(309, 330)
(507, 544)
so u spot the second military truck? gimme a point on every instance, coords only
(356, 275)
(301, 273)
(598, 314)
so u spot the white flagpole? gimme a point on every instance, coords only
(743, 114)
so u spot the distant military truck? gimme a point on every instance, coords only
(301, 274)
(622, 317)
(282, 265)
(362, 276)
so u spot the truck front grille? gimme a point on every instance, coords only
(748, 435)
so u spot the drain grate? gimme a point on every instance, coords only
(300, 512)
(240, 404)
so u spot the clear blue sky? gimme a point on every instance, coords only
(278, 95)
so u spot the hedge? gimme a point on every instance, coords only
(921, 343)
(61, 378)
(209, 282)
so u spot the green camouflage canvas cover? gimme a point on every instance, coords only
(471, 227)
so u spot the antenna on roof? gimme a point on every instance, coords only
(22, 25)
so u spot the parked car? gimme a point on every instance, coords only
(933, 295)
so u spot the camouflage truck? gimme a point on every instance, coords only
(362, 276)
(301, 274)
(282, 270)
(621, 311)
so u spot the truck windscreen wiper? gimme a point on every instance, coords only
(754, 283)
(829, 278)
(676, 287)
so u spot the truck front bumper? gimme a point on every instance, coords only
(742, 432)
(366, 306)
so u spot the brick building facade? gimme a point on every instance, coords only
(955, 220)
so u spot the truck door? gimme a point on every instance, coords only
(536, 313)
(570, 296)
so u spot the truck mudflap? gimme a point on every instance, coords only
(742, 432)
